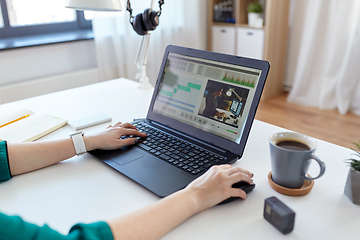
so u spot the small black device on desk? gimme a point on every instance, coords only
(279, 215)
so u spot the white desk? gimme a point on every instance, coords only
(85, 190)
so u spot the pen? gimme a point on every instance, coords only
(14, 121)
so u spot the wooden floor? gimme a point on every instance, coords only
(326, 125)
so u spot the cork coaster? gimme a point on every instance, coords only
(305, 189)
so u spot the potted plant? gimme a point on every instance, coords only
(352, 186)
(255, 10)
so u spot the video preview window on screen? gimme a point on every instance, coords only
(209, 95)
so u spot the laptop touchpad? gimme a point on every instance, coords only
(127, 156)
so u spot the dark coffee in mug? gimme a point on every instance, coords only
(293, 145)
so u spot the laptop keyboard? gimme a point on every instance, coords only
(183, 155)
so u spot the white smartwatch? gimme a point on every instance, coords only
(78, 141)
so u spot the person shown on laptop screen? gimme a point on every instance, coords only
(223, 102)
(214, 91)
(151, 222)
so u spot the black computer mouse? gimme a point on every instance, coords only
(245, 186)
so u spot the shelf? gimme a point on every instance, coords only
(247, 26)
(224, 24)
(234, 25)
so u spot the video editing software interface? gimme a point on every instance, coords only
(209, 95)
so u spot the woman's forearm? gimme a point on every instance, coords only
(26, 157)
(204, 192)
(157, 219)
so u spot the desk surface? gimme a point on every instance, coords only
(82, 189)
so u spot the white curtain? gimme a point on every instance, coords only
(327, 73)
(181, 23)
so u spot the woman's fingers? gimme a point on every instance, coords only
(117, 124)
(127, 125)
(240, 176)
(124, 125)
(127, 141)
(236, 192)
(135, 132)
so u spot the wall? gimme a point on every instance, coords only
(32, 63)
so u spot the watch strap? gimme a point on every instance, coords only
(79, 143)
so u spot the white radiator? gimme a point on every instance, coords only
(18, 91)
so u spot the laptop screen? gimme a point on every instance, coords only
(212, 96)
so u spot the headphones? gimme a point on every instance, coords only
(146, 21)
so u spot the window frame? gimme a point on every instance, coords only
(7, 32)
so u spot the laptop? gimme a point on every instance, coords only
(200, 115)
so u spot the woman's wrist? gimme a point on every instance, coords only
(90, 143)
(193, 199)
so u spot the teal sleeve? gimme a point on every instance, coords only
(4, 162)
(14, 228)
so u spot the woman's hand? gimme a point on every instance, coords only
(110, 138)
(215, 185)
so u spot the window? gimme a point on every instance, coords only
(26, 19)
(25, 12)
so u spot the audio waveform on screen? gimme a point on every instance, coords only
(239, 81)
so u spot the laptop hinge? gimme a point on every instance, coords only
(189, 137)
